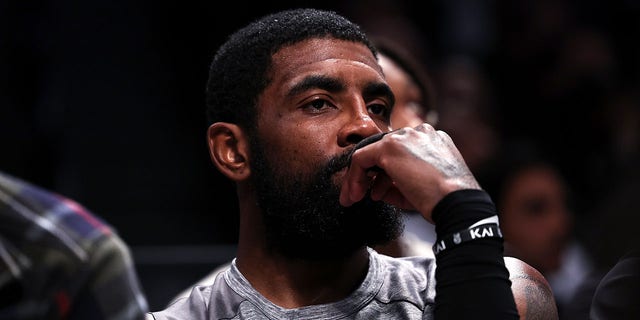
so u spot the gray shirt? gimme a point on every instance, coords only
(394, 288)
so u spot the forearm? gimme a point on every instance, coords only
(471, 277)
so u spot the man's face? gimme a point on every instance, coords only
(324, 96)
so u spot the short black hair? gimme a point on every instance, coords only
(239, 70)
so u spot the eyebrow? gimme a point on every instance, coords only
(376, 89)
(330, 84)
(317, 81)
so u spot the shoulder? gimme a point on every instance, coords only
(65, 241)
(60, 222)
(533, 295)
(194, 306)
(206, 281)
(417, 266)
(405, 278)
(617, 293)
(220, 299)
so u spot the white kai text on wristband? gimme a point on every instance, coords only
(476, 231)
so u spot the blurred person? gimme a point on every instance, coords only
(466, 110)
(60, 261)
(302, 87)
(612, 288)
(535, 209)
(408, 78)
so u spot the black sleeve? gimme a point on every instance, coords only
(472, 281)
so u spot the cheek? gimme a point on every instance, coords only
(297, 143)
(295, 152)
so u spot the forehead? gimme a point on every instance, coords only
(324, 53)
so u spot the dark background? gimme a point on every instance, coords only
(103, 101)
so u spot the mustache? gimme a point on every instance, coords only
(338, 162)
(342, 161)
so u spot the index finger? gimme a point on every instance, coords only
(360, 173)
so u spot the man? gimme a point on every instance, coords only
(412, 107)
(60, 261)
(289, 97)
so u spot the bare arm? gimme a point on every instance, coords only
(533, 295)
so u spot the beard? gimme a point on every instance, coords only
(303, 216)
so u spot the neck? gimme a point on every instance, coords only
(294, 283)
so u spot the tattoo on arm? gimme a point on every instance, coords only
(534, 297)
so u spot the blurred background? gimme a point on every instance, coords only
(103, 101)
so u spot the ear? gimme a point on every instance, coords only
(228, 150)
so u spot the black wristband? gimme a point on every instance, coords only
(487, 230)
(461, 209)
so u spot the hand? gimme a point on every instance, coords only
(411, 168)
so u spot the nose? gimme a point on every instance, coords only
(359, 126)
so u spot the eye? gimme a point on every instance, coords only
(380, 110)
(317, 105)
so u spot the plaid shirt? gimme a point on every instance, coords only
(59, 261)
